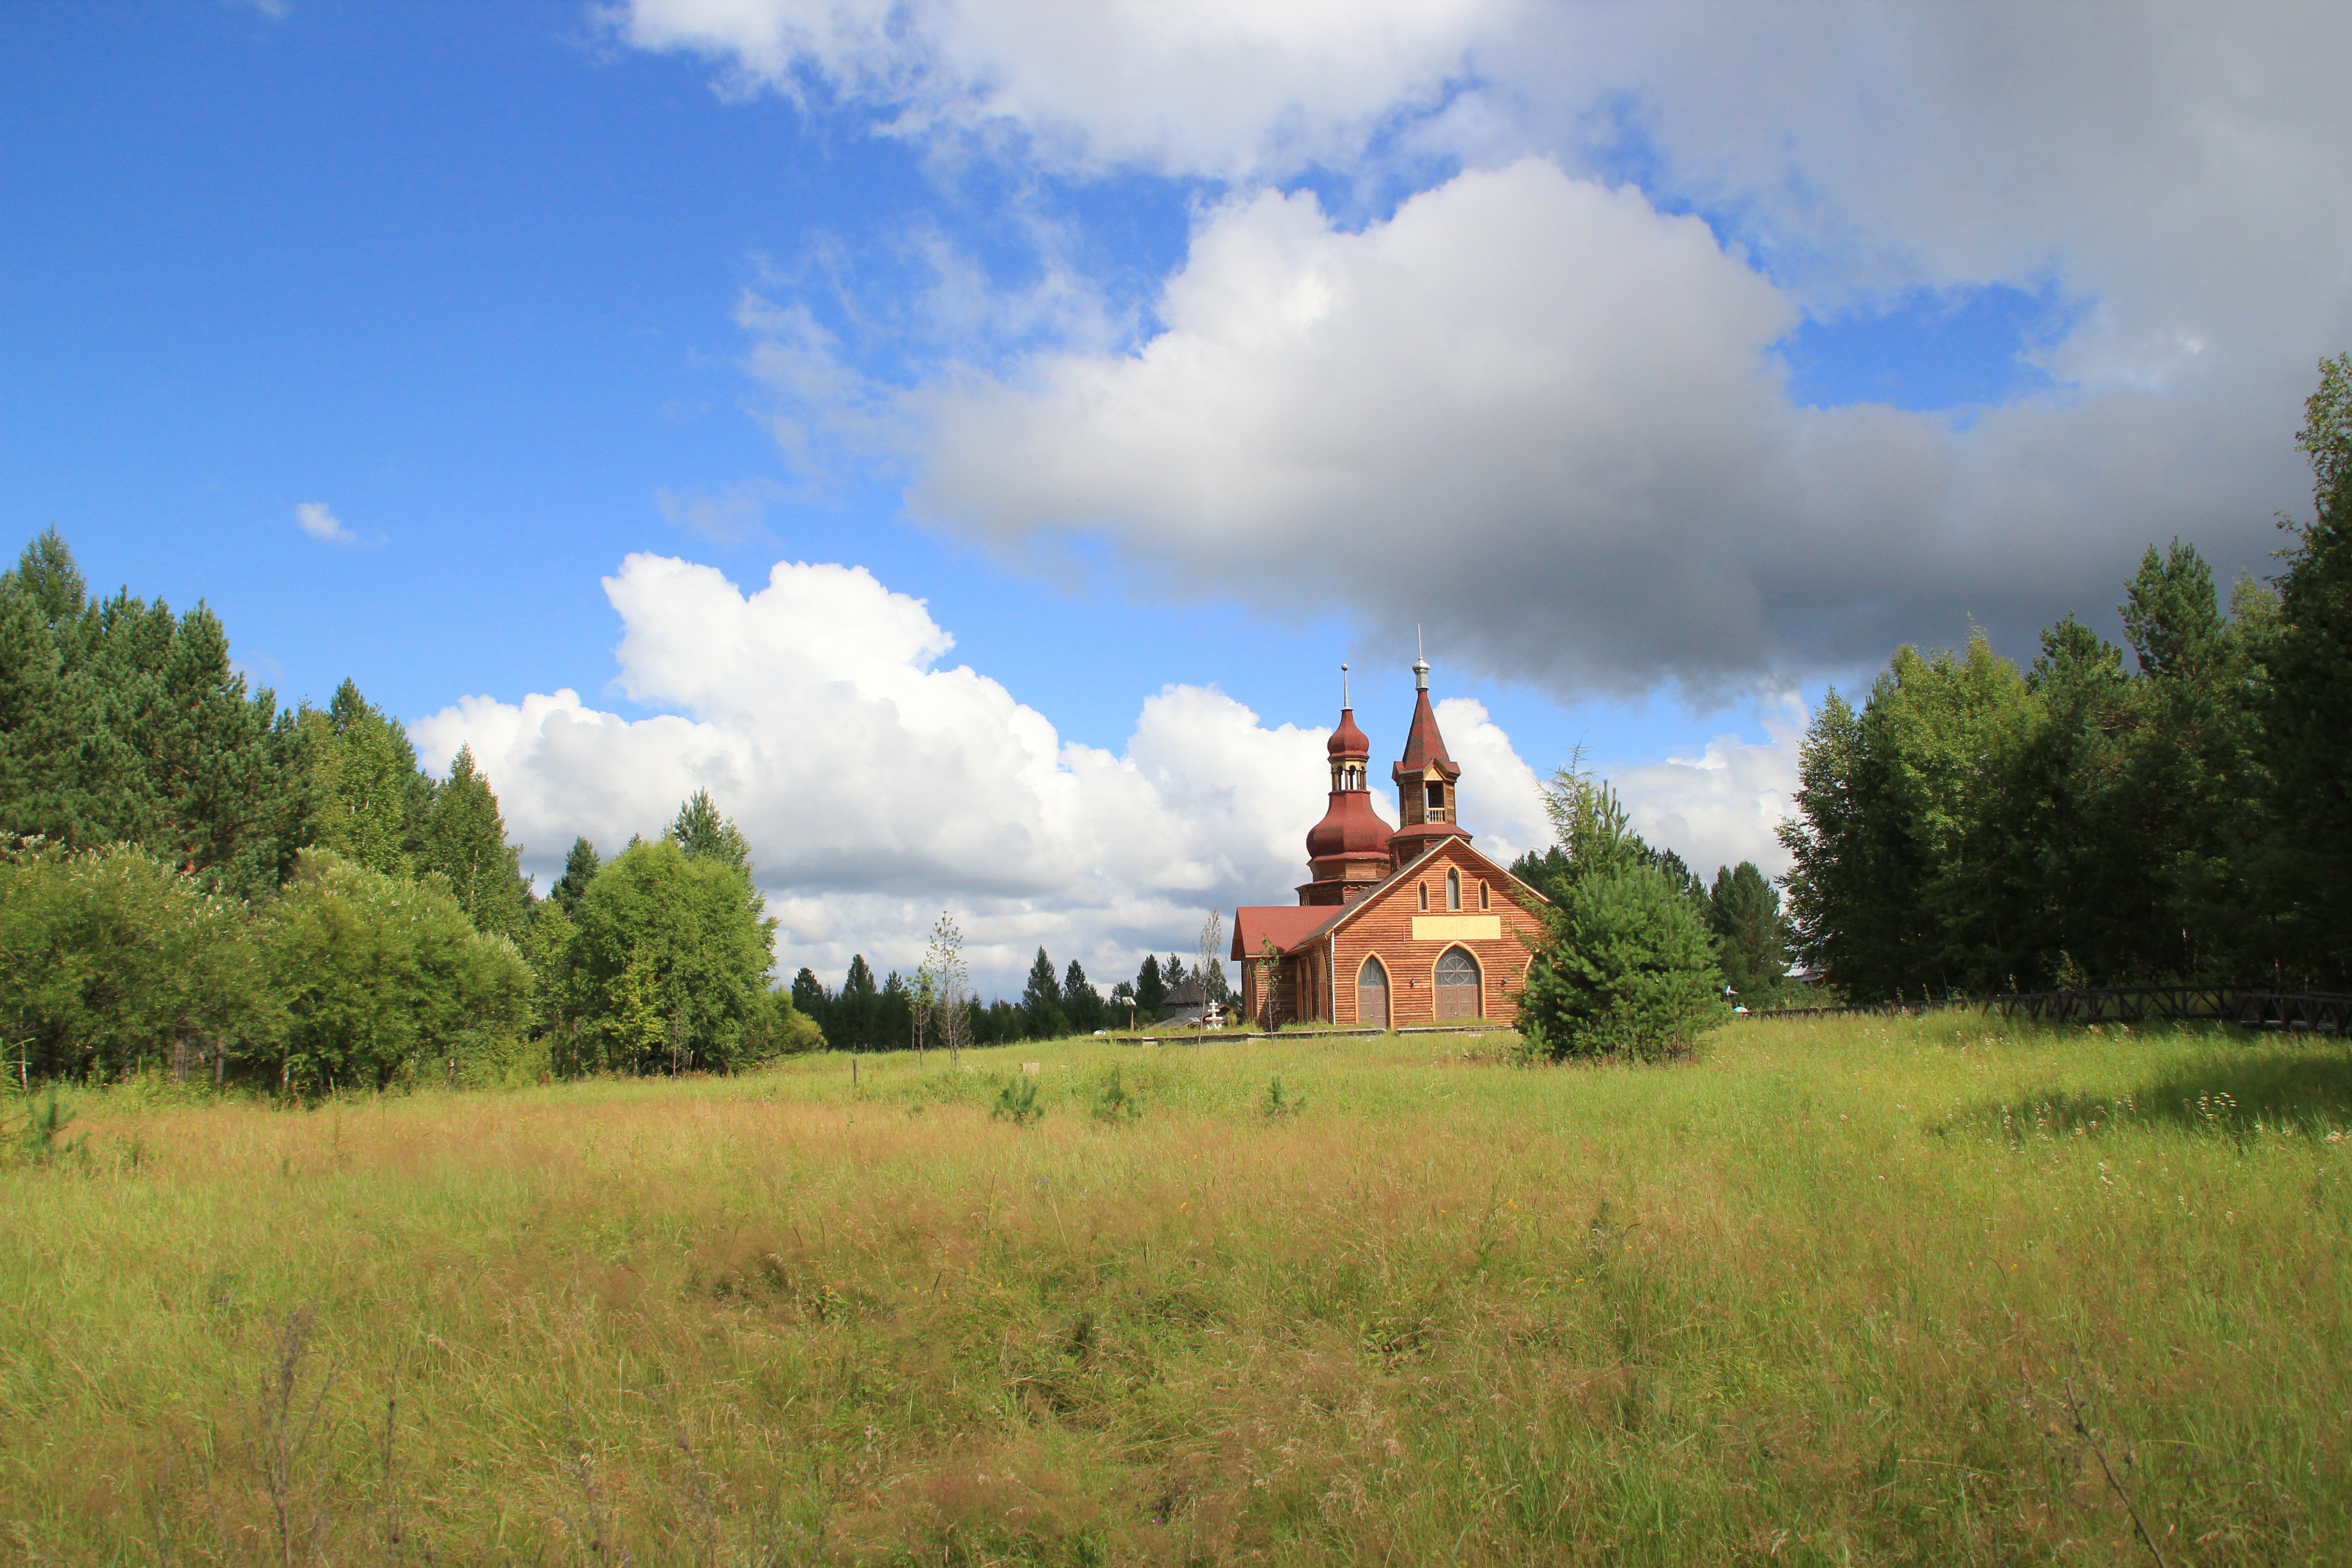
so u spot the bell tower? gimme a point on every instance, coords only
(1424, 778)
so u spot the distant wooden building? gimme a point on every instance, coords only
(1394, 926)
(1188, 1004)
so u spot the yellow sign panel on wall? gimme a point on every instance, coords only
(1457, 928)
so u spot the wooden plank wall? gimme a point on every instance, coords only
(1385, 927)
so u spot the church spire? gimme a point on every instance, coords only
(1425, 777)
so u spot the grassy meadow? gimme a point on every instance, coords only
(1838, 1291)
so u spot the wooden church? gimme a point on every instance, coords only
(1396, 926)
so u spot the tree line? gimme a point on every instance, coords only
(2179, 810)
(865, 1014)
(192, 878)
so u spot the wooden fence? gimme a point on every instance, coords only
(2313, 1012)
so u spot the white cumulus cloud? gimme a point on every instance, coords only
(318, 523)
(1723, 805)
(1232, 88)
(877, 784)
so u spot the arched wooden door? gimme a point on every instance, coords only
(1460, 993)
(1372, 993)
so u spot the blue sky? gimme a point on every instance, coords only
(493, 285)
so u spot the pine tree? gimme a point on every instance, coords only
(367, 800)
(40, 723)
(1080, 1000)
(1042, 988)
(1624, 969)
(216, 765)
(701, 830)
(1150, 990)
(2307, 709)
(809, 995)
(466, 841)
(45, 573)
(1744, 912)
(860, 980)
(1040, 1001)
(579, 870)
(894, 1014)
(853, 1009)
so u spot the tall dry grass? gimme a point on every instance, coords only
(1836, 1292)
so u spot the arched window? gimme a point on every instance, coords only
(1372, 993)
(1424, 897)
(1459, 991)
(1453, 889)
(1482, 895)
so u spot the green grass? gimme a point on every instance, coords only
(1843, 1292)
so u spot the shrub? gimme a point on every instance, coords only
(1626, 968)
(1016, 1102)
(383, 978)
(116, 962)
(1279, 1105)
(777, 1029)
(1118, 1105)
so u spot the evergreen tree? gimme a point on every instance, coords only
(853, 1009)
(894, 1014)
(1044, 1016)
(1744, 911)
(2306, 711)
(465, 840)
(1080, 1000)
(579, 870)
(1682, 880)
(809, 995)
(1545, 870)
(1150, 990)
(45, 573)
(43, 715)
(214, 763)
(1625, 969)
(701, 830)
(1172, 973)
(367, 800)
(860, 979)
(120, 723)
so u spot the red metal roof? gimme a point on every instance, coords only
(1423, 745)
(1349, 827)
(1284, 925)
(1347, 742)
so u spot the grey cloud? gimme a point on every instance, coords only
(1558, 432)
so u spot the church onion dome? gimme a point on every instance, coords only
(1350, 827)
(1348, 741)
